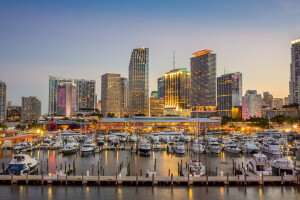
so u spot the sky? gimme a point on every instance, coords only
(87, 38)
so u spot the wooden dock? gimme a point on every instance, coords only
(150, 181)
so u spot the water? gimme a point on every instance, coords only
(147, 193)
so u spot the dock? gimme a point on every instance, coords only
(122, 179)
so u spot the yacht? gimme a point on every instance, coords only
(250, 147)
(187, 138)
(21, 164)
(133, 138)
(176, 138)
(232, 148)
(166, 138)
(88, 148)
(283, 166)
(112, 138)
(46, 142)
(198, 148)
(144, 147)
(271, 146)
(196, 168)
(214, 147)
(155, 138)
(100, 141)
(122, 138)
(296, 144)
(157, 146)
(259, 165)
(71, 146)
(58, 143)
(179, 148)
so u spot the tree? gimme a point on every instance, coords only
(110, 115)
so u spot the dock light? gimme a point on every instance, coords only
(222, 174)
(38, 131)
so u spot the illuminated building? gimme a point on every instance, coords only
(286, 101)
(277, 103)
(139, 82)
(53, 93)
(3, 100)
(229, 95)
(177, 91)
(111, 94)
(267, 99)
(31, 108)
(66, 99)
(13, 113)
(156, 106)
(161, 87)
(203, 84)
(295, 72)
(85, 94)
(154, 93)
(124, 95)
(252, 103)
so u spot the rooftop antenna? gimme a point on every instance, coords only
(224, 70)
(173, 59)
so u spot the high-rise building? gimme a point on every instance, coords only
(139, 81)
(203, 84)
(124, 95)
(277, 103)
(3, 101)
(66, 99)
(85, 94)
(252, 103)
(177, 91)
(13, 113)
(111, 94)
(53, 93)
(295, 72)
(161, 87)
(154, 93)
(31, 108)
(156, 105)
(229, 95)
(286, 101)
(267, 99)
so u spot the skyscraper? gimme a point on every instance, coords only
(53, 93)
(139, 81)
(124, 95)
(252, 103)
(295, 72)
(267, 99)
(3, 100)
(85, 94)
(229, 95)
(31, 108)
(161, 87)
(111, 94)
(203, 84)
(66, 99)
(177, 91)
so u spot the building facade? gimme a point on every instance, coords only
(53, 94)
(85, 94)
(277, 103)
(252, 103)
(161, 87)
(31, 108)
(66, 99)
(3, 101)
(203, 84)
(267, 99)
(156, 106)
(13, 113)
(229, 95)
(139, 82)
(124, 96)
(295, 72)
(111, 99)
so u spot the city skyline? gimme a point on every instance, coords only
(31, 51)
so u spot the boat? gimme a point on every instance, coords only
(198, 147)
(46, 142)
(196, 168)
(283, 166)
(187, 138)
(250, 147)
(122, 138)
(71, 146)
(144, 147)
(112, 138)
(157, 146)
(179, 148)
(214, 147)
(232, 148)
(133, 138)
(58, 143)
(155, 138)
(21, 164)
(259, 165)
(271, 146)
(88, 148)
(100, 141)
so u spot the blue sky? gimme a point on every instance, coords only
(87, 38)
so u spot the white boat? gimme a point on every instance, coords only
(251, 147)
(259, 165)
(155, 138)
(214, 147)
(196, 168)
(58, 143)
(21, 164)
(271, 146)
(166, 138)
(232, 148)
(145, 147)
(71, 146)
(157, 146)
(177, 138)
(123, 138)
(100, 141)
(88, 148)
(296, 144)
(46, 142)
(283, 166)
(112, 138)
(198, 148)
(133, 138)
(187, 138)
(179, 148)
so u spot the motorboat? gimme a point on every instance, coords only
(198, 148)
(58, 143)
(250, 147)
(144, 147)
(122, 138)
(232, 148)
(296, 144)
(271, 146)
(187, 138)
(133, 138)
(157, 146)
(259, 165)
(100, 141)
(196, 168)
(179, 148)
(155, 138)
(21, 164)
(112, 138)
(214, 147)
(46, 142)
(176, 138)
(88, 148)
(71, 146)
(283, 166)
(166, 138)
